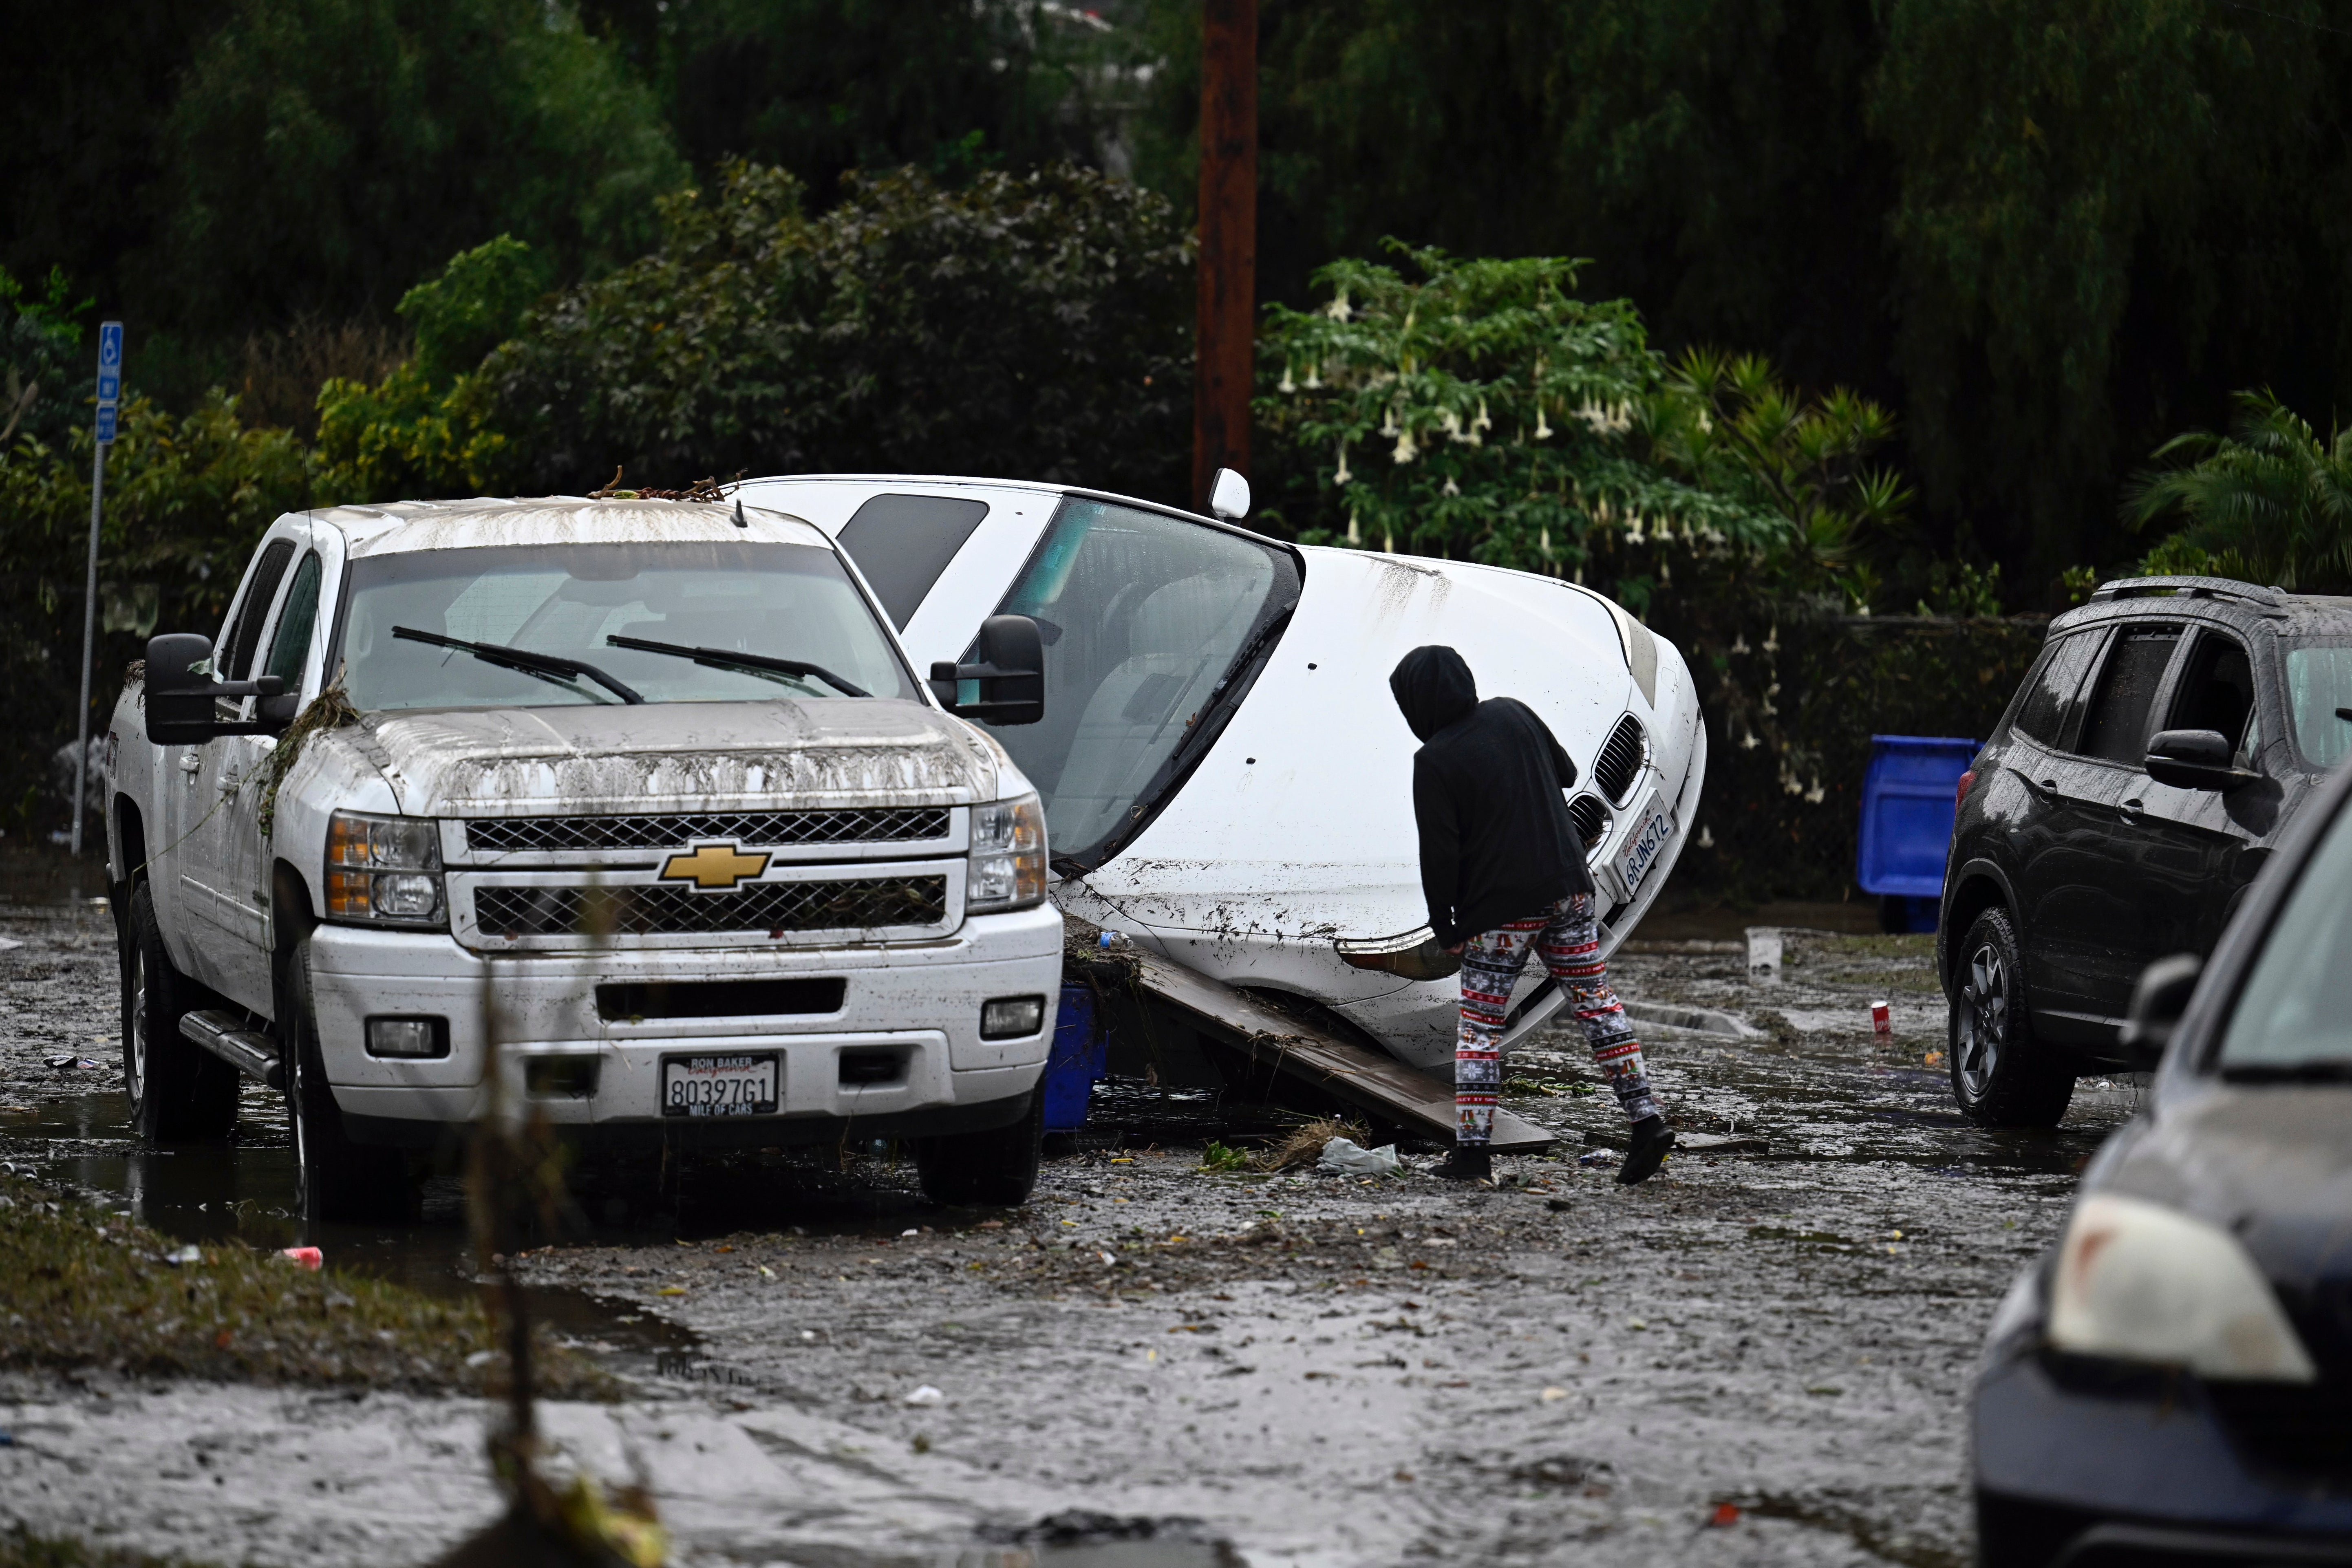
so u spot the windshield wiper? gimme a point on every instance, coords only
(2321, 1070)
(757, 663)
(546, 666)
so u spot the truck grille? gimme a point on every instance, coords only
(875, 825)
(1620, 761)
(863, 904)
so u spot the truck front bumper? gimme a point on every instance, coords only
(917, 1003)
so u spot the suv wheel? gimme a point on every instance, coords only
(998, 1166)
(1999, 1077)
(335, 1178)
(178, 1090)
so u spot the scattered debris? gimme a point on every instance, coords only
(1306, 1144)
(186, 1255)
(1882, 1021)
(927, 1394)
(1349, 1158)
(307, 1256)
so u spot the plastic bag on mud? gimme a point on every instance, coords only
(1349, 1158)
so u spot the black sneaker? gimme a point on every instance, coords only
(1652, 1141)
(1468, 1163)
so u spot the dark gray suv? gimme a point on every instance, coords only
(2138, 781)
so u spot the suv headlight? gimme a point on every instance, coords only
(2137, 1282)
(385, 870)
(1008, 856)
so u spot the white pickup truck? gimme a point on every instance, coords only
(642, 799)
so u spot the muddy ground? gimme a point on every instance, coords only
(1316, 1370)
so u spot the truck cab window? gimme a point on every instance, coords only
(291, 640)
(902, 543)
(2116, 729)
(245, 632)
(2217, 692)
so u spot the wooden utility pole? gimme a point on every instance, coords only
(1224, 342)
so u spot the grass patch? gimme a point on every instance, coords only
(80, 1288)
(19, 1548)
(1224, 1157)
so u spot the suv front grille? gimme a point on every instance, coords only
(772, 907)
(1591, 820)
(880, 825)
(1620, 761)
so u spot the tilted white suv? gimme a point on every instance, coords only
(644, 794)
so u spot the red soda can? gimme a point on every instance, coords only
(1882, 1022)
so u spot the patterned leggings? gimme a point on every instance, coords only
(1568, 938)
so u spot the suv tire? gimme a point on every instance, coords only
(995, 1167)
(2001, 1077)
(179, 1091)
(335, 1180)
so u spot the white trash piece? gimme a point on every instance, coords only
(1349, 1158)
(1764, 955)
(926, 1395)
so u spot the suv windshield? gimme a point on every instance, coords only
(792, 603)
(2294, 1011)
(2318, 687)
(1144, 616)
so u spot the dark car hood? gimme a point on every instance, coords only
(2271, 1164)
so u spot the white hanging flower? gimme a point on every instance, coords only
(1815, 796)
(1739, 643)
(1450, 422)
(1389, 421)
(1706, 425)
(1543, 431)
(1315, 378)
(1595, 416)
(1388, 542)
(1772, 643)
(1749, 742)
(1338, 309)
(1482, 422)
(1451, 488)
(1343, 475)
(1633, 529)
(1287, 383)
(1406, 451)
(1543, 542)
(1355, 536)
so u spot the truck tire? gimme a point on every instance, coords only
(179, 1092)
(2001, 1077)
(335, 1180)
(997, 1167)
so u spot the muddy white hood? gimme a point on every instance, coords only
(679, 756)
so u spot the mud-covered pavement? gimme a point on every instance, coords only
(1318, 1370)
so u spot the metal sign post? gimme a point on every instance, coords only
(110, 394)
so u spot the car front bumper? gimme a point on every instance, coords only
(2082, 1471)
(918, 1001)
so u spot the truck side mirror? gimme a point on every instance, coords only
(182, 690)
(1229, 496)
(2156, 1003)
(2195, 759)
(1010, 673)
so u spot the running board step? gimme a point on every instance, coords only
(1379, 1084)
(249, 1051)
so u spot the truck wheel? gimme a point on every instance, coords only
(2001, 1077)
(178, 1090)
(335, 1180)
(998, 1166)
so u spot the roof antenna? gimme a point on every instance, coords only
(739, 520)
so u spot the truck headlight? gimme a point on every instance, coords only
(2137, 1282)
(1008, 856)
(385, 870)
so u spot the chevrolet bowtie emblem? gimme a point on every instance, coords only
(713, 867)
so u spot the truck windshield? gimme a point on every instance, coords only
(1145, 617)
(2293, 1014)
(792, 603)
(2318, 687)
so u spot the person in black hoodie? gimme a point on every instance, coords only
(1503, 869)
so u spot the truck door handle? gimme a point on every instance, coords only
(190, 761)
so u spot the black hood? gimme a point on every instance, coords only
(1433, 687)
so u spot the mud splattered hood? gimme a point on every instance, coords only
(713, 756)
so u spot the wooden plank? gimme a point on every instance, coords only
(1379, 1084)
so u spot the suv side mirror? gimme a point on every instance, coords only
(180, 691)
(2195, 759)
(2156, 1003)
(1010, 673)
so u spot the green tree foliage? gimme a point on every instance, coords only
(1032, 325)
(2270, 502)
(825, 87)
(326, 153)
(186, 497)
(43, 378)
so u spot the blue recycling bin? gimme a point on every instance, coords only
(1907, 805)
(1078, 1057)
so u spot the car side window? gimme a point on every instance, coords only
(2216, 691)
(235, 662)
(2051, 687)
(902, 543)
(291, 641)
(2116, 727)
